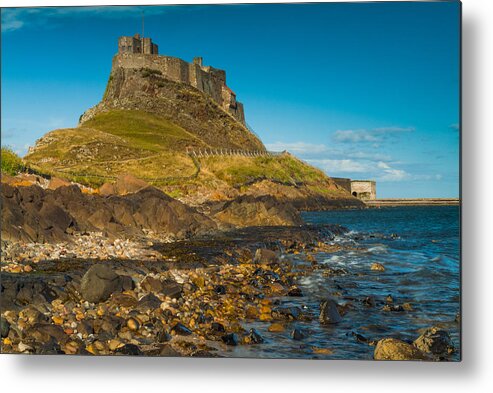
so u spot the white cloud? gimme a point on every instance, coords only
(17, 18)
(374, 135)
(341, 166)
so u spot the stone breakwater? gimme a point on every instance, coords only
(201, 297)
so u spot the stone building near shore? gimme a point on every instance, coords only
(362, 189)
(141, 53)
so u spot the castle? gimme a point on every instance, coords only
(139, 52)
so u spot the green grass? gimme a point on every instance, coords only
(11, 163)
(143, 130)
(285, 169)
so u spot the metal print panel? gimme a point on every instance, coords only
(258, 181)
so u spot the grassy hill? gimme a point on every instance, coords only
(145, 125)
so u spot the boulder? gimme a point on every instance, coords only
(377, 267)
(435, 341)
(393, 349)
(56, 182)
(151, 284)
(266, 210)
(128, 184)
(99, 282)
(265, 256)
(328, 312)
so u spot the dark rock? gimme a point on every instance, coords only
(360, 338)
(44, 332)
(248, 210)
(181, 329)
(129, 350)
(149, 302)
(291, 313)
(124, 300)
(298, 334)
(230, 339)
(254, 337)
(295, 291)
(85, 327)
(163, 336)
(99, 282)
(4, 327)
(217, 327)
(220, 289)
(329, 313)
(435, 341)
(369, 301)
(151, 284)
(128, 283)
(171, 289)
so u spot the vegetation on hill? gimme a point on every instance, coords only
(11, 163)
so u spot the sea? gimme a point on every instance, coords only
(419, 247)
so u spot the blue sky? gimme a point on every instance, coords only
(366, 91)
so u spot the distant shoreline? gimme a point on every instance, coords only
(394, 202)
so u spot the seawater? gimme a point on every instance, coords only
(420, 249)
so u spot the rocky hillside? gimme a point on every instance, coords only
(146, 125)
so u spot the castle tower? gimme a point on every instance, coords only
(136, 44)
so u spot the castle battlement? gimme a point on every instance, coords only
(136, 52)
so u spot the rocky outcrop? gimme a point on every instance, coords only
(394, 349)
(184, 105)
(435, 341)
(262, 211)
(125, 184)
(99, 282)
(36, 215)
(329, 313)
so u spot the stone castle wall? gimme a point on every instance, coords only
(209, 80)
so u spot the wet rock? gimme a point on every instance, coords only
(254, 337)
(369, 301)
(393, 349)
(393, 308)
(435, 341)
(360, 338)
(377, 267)
(99, 282)
(265, 256)
(295, 291)
(328, 312)
(298, 334)
(290, 313)
(230, 339)
(181, 329)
